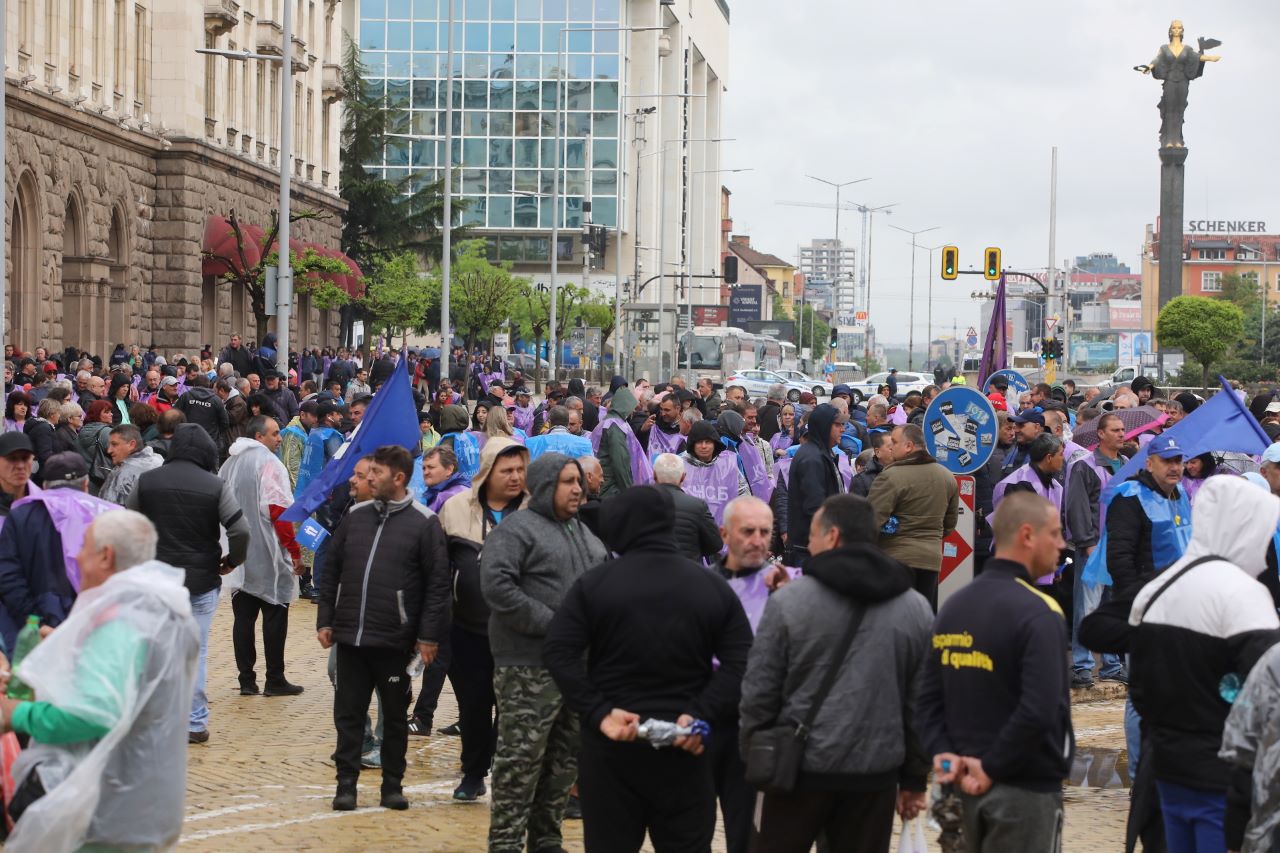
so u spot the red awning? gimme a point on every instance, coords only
(355, 281)
(219, 251)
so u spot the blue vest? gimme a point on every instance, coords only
(467, 449)
(314, 456)
(1170, 531)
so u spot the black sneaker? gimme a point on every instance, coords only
(452, 730)
(1121, 677)
(249, 689)
(1081, 681)
(469, 790)
(573, 808)
(419, 727)
(284, 688)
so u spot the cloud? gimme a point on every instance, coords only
(952, 110)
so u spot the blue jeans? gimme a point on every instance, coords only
(1132, 736)
(203, 606)
(1193, 818)
(1084, 601)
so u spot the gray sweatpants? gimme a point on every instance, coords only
(1008, 818)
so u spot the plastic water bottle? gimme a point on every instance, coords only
(28, 639)
(416, 666)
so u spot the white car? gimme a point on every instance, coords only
(758, 382)
(907, 382)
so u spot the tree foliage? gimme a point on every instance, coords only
(309, 267)
(1206, 329)
(482, 293)
(397, 296)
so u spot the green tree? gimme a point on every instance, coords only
(309, 268)
(1206, 329)
(531, 317)
(482, 293)
(397, 296)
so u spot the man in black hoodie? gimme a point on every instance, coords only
(205, 408)
(812, 478)
(633, 640)
(188, 504)
(996, 704)
(863, 757)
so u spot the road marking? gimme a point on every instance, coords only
(209, 815)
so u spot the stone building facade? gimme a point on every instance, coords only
(122, 142)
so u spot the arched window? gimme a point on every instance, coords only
(117, 313)
(25, 323)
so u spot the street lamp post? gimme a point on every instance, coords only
(835, 262)
(911, 332)
(555, 179)
(446, 260)
(929, 342)
(284, 265)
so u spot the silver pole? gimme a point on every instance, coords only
(446, 259)
(284, 270)
(1264, 306)
(911, 323)
(555, 204)
(1053, 228)
(662, 252)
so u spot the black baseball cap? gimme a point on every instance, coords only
(15, 442)
(64, 467)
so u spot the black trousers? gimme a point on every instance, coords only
(926, 583)
(627, 789)
(245, 609)
(471, 674)
(432, 683)
(737, 798)
(360, 672)
(852, 822)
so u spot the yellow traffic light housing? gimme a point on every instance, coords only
(950, 262)
(991, 266)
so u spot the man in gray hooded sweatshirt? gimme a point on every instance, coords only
(529, 562)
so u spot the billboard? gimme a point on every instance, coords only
(1132, 347)
(710, 315)
(1124, 314)
(745, 303)
(781, 330)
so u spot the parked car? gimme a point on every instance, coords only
(524, 362)
(819, 387)
(758, 382)
(907, 382)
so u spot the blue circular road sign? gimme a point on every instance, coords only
(960, 429)
(1017, 382)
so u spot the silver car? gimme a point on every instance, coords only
(907, 382)
(758, 382)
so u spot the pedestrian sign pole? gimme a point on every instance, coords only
(957, 547)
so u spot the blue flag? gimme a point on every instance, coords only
(390, 419)
(1222, 424)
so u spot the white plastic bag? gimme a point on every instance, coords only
(911, 839)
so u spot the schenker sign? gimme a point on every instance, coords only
(1227, 226)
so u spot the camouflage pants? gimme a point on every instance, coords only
(536, 762)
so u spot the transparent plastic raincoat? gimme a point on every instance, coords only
(125, 661)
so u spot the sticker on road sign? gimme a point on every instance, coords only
(960, 429)
(1017, 382)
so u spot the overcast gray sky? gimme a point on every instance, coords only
(952, 109)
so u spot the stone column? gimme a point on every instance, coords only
(1172, 183)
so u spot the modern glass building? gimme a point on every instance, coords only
(641, 82)
(505, 68)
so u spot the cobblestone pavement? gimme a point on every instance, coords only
(264, 779)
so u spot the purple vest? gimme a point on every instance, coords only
(1027, 474)
(780, 441)
(522, 418)
(665, 442)
(71, 513)
(757, 472)
(439, 501)
(753, 593)
(641, 468)
(846, 469)
(717, 483)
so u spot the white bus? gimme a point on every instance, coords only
(719, 351)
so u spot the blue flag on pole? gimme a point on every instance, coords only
(1221, 424)
(390, 419)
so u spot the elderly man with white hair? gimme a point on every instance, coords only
(114, 682)
(695, 533)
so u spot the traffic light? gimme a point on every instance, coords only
(835, 335)
(1057, 349)
(991, 266)
(950, 262)
(731, 269)
(1049, 348)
